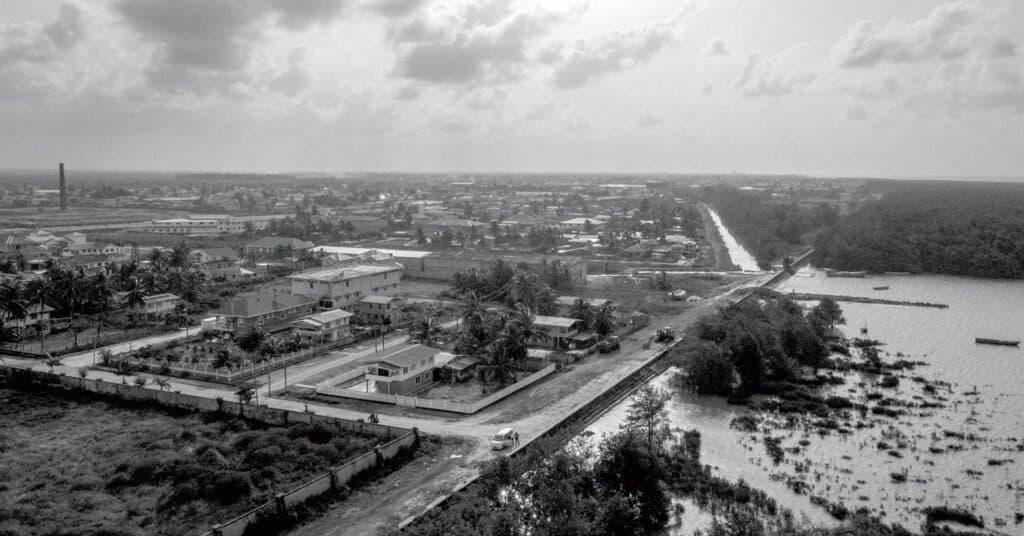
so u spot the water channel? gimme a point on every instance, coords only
(968, 452)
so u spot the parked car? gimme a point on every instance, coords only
(665, 334)
(608, 345)
(506, 437)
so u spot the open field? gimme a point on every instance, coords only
(71, 465)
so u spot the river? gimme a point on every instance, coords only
(982, 472)
(737, 253)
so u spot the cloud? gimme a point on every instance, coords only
(1003, 47)
(650, 120)
(774, 76)
(392, 8)
(32, 43)
(484, 43)
(204, 45)
(612, 54)
(294, 80)
(717, 48)
(857, 112)
(949, 32)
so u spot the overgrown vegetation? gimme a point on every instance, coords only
(769, 231)
(74, 465)
(973, 230)
(756, 342)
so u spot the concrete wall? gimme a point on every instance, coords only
(331, 479)
(441, 405)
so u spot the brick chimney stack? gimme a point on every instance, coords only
(63, 190)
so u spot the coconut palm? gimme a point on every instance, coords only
(471, 309)
(246, 392)
(603, 321)
(52, 362)
(37, 291)
(101, 297)
(582, 311)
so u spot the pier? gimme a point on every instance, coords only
(863, 299)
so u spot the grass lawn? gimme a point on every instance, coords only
(73, 465)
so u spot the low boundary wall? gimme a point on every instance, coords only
(441, 405)
(398, 439)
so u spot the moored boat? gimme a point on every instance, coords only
(882, 287)
(845, 273)
(997, 342)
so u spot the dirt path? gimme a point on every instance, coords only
(379, 507)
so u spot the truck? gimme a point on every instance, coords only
(665, 334)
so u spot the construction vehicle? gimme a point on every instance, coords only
(665, 334)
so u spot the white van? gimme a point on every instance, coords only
(505, 437)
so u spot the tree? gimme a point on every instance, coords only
(603, 321)
(708, 370)
(828, 311)
(648, 415)
(52, 362)
(246, 393)
(251, 340)
(162, 383)
(425, 330)
(581, 310)
(631, 468)
(37, 291)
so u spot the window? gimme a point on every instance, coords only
(417, 379)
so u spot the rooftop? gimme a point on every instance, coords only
(554, 321)
(341, 273)
(252, 303)
(396, 253)
(279, 241)
(377, 299)
(325, 317)
(407, 355)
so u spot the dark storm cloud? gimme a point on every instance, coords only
(614, 54)
(203, 45)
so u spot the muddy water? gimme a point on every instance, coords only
(985, 400)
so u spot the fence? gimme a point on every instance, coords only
(441, 405)
(209, 373)
(397, 438)
(334, 478)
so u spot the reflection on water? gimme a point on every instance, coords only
(984, 474)
(737, 253)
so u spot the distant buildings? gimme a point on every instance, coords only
(266, 309)
(269, 245)
(211, 224)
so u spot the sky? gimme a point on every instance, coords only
(818, 87)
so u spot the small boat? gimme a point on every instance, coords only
(845, 273)
(864, 329)
(882, 287)
(897, 273)
(997, 342)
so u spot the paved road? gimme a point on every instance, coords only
(531, 412)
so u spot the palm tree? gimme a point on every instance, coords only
(38, 291)
(101, 295)
(582, 311)
(181, 256)
(272, 346)
(162, 383)
(52, 362)
(157, 260)
(134, 297)
(603, 321)
(12, 303)
(425, 330)
(471, 309)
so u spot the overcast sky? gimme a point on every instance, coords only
(837, 87)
